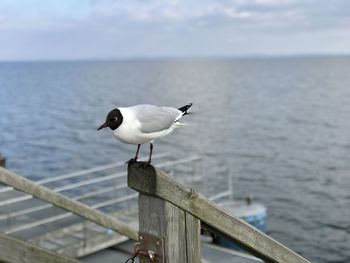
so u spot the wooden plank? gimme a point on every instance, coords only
(17, 251)
(45, 194)
(153, 182)
(162, 218)
(193, 242)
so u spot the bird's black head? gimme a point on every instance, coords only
(113, 120)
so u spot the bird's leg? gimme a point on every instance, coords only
(150, 153)
(137, 152)
(132, 160)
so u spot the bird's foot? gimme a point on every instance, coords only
(146, 164)
(143, 165)
(132, 160)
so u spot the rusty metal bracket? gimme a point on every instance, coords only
(151, 247)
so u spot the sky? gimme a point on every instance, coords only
(114, 29)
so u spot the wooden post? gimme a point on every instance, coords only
(176, 201)
(179, 229)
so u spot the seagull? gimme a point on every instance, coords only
(143, 123)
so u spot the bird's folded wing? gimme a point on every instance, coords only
(155, 119)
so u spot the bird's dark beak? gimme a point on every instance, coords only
(103, 126)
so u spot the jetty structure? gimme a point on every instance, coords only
(165, 227)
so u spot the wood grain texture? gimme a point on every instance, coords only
(193, 242)
(80, 209)
(16, 251)
(153, 182)
(162, 218)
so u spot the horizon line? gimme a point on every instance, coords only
(181, 57)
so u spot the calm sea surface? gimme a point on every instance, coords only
(281, 126)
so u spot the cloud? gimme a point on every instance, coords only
(276, 13)
(299, 14)
(113, 28)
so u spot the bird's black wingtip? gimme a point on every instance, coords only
(185, 108)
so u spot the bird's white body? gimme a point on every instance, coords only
(137, 127)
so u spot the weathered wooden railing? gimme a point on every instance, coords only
(43, 193)
(13, 250)
(16, 251)
(174, 213)
(171, 215)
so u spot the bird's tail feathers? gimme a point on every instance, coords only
(185, 108)
(179, 124)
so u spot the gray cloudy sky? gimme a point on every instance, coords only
(107, 29)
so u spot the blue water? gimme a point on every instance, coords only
(280, 125)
